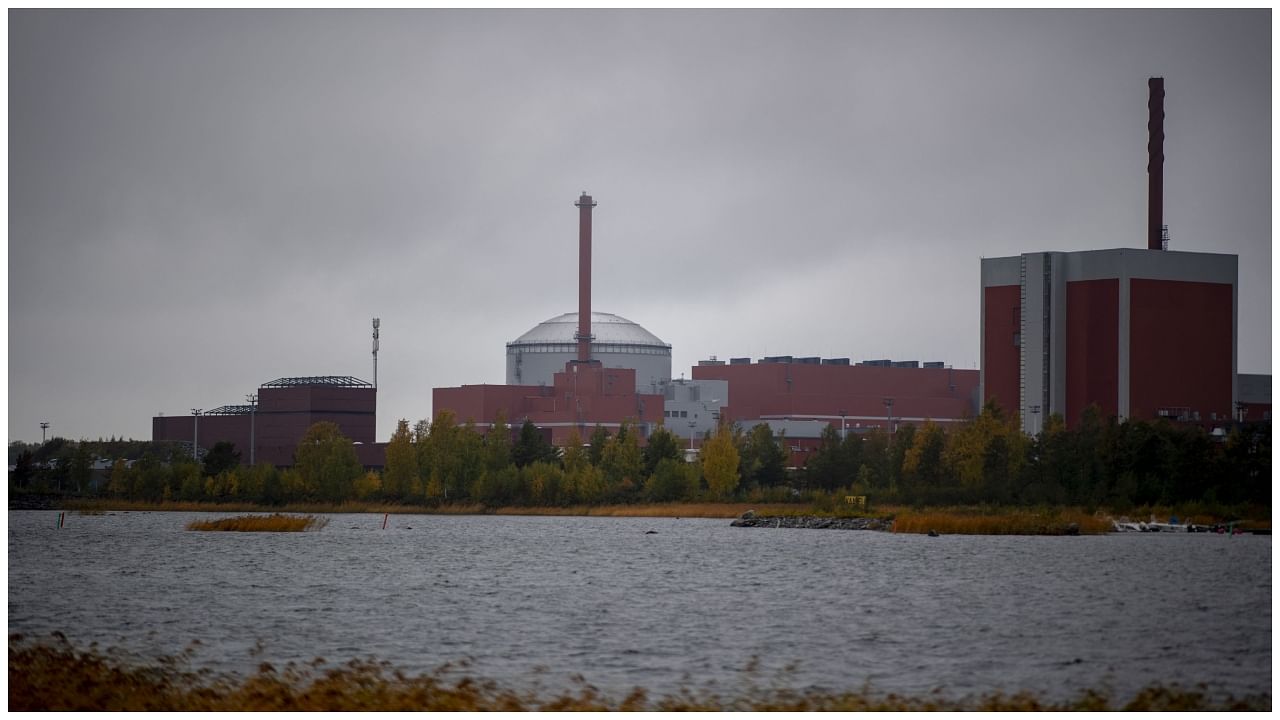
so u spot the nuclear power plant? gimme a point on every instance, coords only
(568, 376)
(567, 384)
(1139, 332)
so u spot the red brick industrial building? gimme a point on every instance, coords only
(853, 396)
(270, 431)
(1141, 333)
(583, 396)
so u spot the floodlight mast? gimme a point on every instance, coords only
(195, 433)
(253, 413)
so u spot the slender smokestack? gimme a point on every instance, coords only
(1155, 164)
(583, 335)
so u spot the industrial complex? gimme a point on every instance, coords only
(1139, 332)
(269, 427)
(1142, 333)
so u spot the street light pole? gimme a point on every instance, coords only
(195, 440)
(692, 425)
(253, 412)
(888, 404)
(1035, 419)
(842, 432)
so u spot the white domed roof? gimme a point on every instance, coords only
(606, 327)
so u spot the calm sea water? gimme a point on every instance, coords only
(533, 599)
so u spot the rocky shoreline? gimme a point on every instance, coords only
(811, 522)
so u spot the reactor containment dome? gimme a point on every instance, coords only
(616, 342)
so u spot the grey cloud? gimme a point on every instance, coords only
(201, 201)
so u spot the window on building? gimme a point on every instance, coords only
(684, 413)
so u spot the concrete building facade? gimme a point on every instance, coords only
(692, 408)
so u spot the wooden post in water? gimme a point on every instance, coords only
(384, 520)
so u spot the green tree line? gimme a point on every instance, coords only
(1101, 463)
(430, 464)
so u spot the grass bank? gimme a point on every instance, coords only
(54, 676)
(260, 523)
(1001, 521)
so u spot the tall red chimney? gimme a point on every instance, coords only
(1155, 164)
(583, 335)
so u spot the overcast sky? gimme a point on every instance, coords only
(204, 201)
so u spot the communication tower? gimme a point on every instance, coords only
(376, 323)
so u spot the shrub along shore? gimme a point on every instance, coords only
(53, 675)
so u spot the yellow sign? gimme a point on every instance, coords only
(859, 500)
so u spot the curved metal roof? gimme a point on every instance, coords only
(330, 380)
(606, 327)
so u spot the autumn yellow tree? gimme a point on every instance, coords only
(986, 455)
(368, 486)
(720, 463)
(401, 469)
(583, 481)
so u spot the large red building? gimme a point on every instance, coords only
(1142, 333)
(270, 431)
(853, 396)
(582, 396)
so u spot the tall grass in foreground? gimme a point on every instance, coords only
(55, 676)
(261, 523)
(1007, 521)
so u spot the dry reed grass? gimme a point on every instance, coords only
(261, 523)
(1006, 521)
(53, 676)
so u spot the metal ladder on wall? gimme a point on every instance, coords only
(1046, 299)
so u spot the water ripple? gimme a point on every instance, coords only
(699, 603)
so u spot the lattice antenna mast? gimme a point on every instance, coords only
(376, 322)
